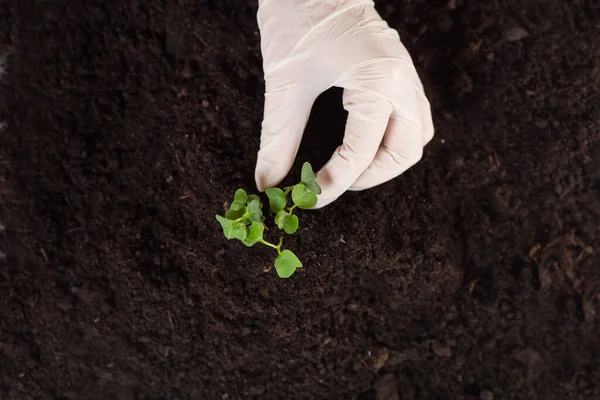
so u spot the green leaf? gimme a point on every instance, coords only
(287, 222)
(291, 224)
(313, 186)
(253, 211)
(286, 264)
(302, 197)
(231, 229)
(241, 231)
(309, 179)
(253, 197)
(254, 205)
(236, 206)
(226, 224)
(239, 201)
(307, 172)
(256, 216)
(277, 200)
(234, 214)
(255, 233)
(281, 218)
(240, 196)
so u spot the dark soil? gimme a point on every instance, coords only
(475, 275)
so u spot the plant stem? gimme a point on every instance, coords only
(278, 247)
(268, 244)
(292, 208)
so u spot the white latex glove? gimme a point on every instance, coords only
(309, 46)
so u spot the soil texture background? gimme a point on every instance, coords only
(127, 124)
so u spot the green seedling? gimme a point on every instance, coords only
(244, 220)
(304, 196)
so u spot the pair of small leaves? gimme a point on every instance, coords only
(243, 220)
(241, 199)
(254, 212)
(286, 221)
(238, 207)
(277, 199)
(304, 194)
(249, 235)
(286, 264)
(250, 212)
(283, 219)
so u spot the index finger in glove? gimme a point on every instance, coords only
(285, 116)
(402, 147)
(410, 128)
(368, 116)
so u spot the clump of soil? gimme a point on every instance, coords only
(472, 276)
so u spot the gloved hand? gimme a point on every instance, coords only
(309, 46)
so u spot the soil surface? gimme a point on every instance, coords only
(128, 124)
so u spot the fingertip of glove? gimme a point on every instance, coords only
(323, 202)
(265, 177)
(261, 184)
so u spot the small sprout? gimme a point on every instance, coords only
(244, 220)
(304, 196)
